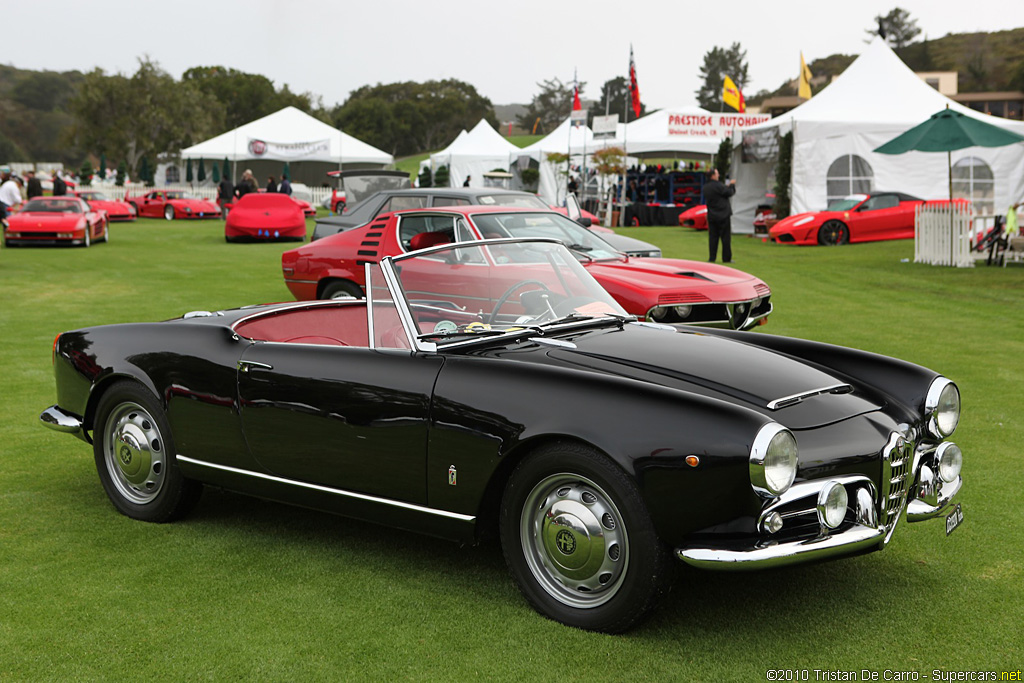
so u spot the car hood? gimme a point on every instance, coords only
(804, 219)
(667, 274)
(45, 221)
(718, 368)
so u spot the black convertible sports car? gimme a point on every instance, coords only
(494, 386)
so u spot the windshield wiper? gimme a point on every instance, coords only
(481, 333)
(574, 317)
(579, 247)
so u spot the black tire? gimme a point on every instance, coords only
(169, 213)
(579, 541)
(88, 237)
(342, 289)
(833, 233)
(134, 453)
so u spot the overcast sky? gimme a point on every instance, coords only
(503, 49)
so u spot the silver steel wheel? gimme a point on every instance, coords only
(169, 212)
(133, 452)
(574, 540)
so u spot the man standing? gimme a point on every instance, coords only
(716, 197)
(34, 188)
(225, 193)
(285, 187)
(60, 188)
(10, 193)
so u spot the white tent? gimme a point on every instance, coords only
(653, 135)
(874, 100)
(480, 150)
(565, 139)
(288, 135)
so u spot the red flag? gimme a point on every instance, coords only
(576, 106)
(634, 89)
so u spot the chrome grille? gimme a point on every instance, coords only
(896, 462)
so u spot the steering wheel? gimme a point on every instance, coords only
(503, 299)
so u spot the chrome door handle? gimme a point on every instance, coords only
(244, 365)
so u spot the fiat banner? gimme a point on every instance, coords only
(286, 151)
(712, 125)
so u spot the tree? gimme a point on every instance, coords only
(783, 176)
(245, 97)
(85, 173)
(615, 92)
(551, 105)
(719, 63)
(409, 117)
(148, 113)
(723, 160)
(425, 178)
(896, 27)
(122, 174)
(145, 174)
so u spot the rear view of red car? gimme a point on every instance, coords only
(259, 217)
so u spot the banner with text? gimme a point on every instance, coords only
(712, 126)
(288, 151)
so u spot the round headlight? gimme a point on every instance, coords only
(773, 460)
(657, 313)
(832, 503)
(951, 459)
(683, 311)
(942, 407)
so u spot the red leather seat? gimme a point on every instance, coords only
(428, 239)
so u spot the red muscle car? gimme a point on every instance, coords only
(117, 210)
(857, 218)
(663, 290)
(172, 204)
(262, 216)
(56, 220)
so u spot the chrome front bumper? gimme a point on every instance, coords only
(867, 525)
(58, 419)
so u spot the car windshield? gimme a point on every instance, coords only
(846, 203)
(548, 225)
(463, 293)
(522, 201)
(52, 206)
(94, 196)
(179, 194)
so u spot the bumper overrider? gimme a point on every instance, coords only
(803, 524)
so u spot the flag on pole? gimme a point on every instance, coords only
(576, 106)
(634, 89)
(733, 96)
(804, 91)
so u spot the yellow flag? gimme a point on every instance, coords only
(805, 80)
(732, 96)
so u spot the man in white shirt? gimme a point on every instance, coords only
(10, 193)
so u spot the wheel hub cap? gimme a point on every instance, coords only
(572, 539)
(132, 457)
(134, 453)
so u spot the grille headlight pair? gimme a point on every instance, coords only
(773, 460)
(950, 461)
(832, 502)
(942, 407)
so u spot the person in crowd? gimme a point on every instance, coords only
(716, 197)
(225, 192)
(573, 185)
(34, 188)
(246, 185)
(285, 187)
(60, 188)
(271, 184)
(468, 178)
(10, 193)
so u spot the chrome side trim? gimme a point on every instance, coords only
(557, 343)
(327, 489)
(919, 510)
(797, 398)
(780, 554)
(57, 419)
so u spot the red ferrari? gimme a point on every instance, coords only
(56, 220)
(695, 217)
(172, 204)
(117, 210)
(262, 216)
(857, 218)
(663, 290)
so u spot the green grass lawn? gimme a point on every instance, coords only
(248, 590)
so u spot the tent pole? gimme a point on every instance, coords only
(949, 168)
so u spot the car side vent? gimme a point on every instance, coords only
(695, 276)
(377, 226)
(366, 252)
(374, 234)
(762, 289)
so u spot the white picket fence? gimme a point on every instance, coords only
(316, 195)
(942, 234)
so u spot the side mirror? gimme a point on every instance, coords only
(584, 221)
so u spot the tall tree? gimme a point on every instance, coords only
(551, 105)
(244, 96)
(718, 63)
(409, 117)
(615, 92)
(148, 113)
(896, 27)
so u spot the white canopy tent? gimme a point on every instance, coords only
(834, 135)
(565, 139)
(480, 150)
(652, 135)
(289, 135)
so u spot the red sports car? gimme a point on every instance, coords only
(695, 217)
(56, 220)
(262, 216)
(117, 210)
(172, 204)
(857, 218)
(663, 290)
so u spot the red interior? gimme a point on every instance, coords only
(339, 324)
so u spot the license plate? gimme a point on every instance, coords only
(954, 519)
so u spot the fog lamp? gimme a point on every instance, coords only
(683, 311)
(657, 313)
(951, 459)
(772, 523)
(832, 504)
